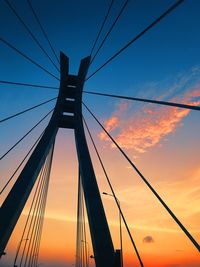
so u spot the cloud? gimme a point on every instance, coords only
(148, 239)
(110, 125)
(150, 125)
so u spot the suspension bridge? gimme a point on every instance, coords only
(35, 167)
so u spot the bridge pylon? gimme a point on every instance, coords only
(67, 114)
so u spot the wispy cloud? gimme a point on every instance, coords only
(111, 124)
(150, 125)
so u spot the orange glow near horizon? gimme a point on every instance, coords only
(169, 163)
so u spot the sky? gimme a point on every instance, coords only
(162, 141)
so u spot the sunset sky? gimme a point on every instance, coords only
(162, 141)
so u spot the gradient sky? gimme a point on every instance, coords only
(162, 141)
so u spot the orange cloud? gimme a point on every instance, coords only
(110, 125)
(149, 126)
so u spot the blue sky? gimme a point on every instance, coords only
(167, 50)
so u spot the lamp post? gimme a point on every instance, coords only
(18, 248)
(120, 227)
(88, 252)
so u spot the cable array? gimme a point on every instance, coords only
(42, 29)
(82, 251)
(167, 12)
(110, 30)
(34, 223)
(30, 32)
(102, 26)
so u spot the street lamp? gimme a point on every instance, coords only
(88, 252)
(18, 248)
(120, 226)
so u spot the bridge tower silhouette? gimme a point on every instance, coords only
(67, 114)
